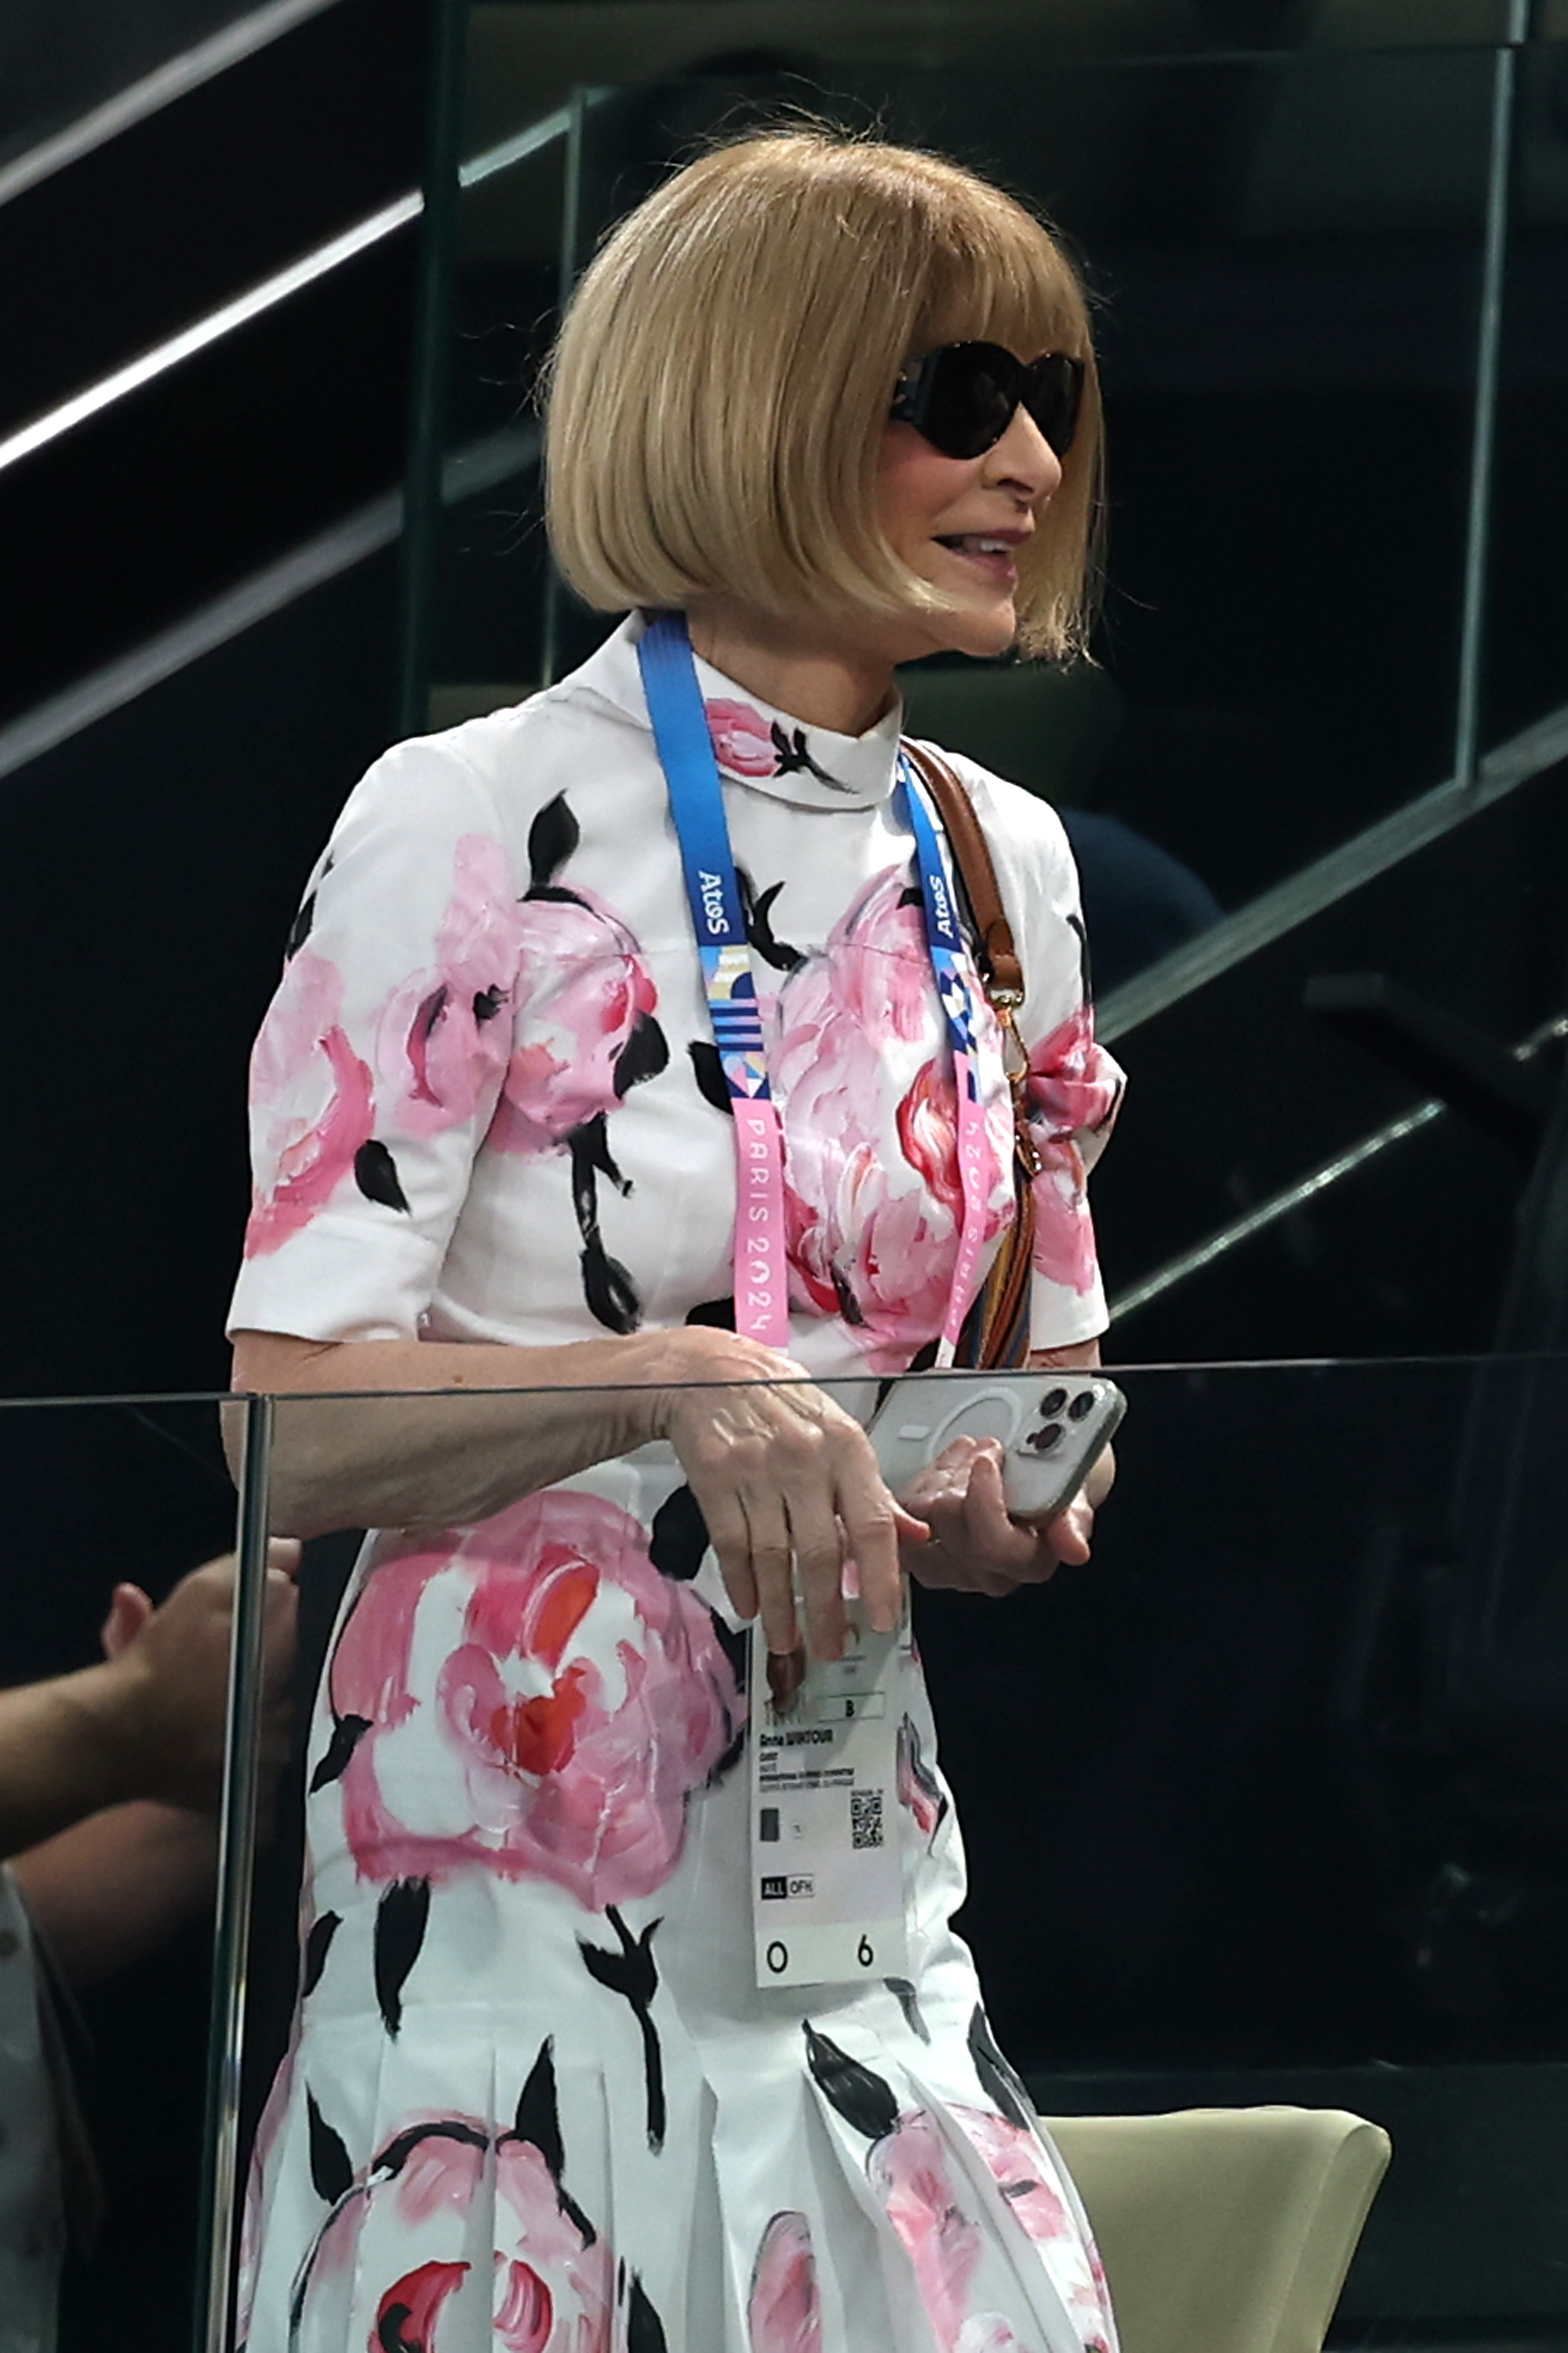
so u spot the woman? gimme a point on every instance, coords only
(537, 2097)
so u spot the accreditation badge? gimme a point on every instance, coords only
(827, 1884)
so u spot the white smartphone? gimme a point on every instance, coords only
(1053, 1425)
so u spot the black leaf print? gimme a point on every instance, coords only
(909, 2002)
(332, 2175)
(430, 1011)
(859, 2095)
(391, 2335)
(716, 1315)
(538, 2123)
(537, 2120)
(401, 1918)
(735, 1641)
(318, 1944)
(398, 2150)
(708, 1071)
(551, 837)
(300, 930)
(726, 1763)
(849, 1305)
(757, 909)
(794, 758)
(998, 2080)
(644, 2330)
(611, 1294)
(633, 1974)
(643, 1056)
(679, 1536)
(376, 1173)
(591, 1156)
(347, 1732)
(607, 1286)
(916, 1773)
(304, 922)
(1085, 976)
(488, 1002)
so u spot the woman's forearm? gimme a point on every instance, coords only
(507, 1421)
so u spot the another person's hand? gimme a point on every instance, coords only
(780, 1471)
(974, 1546)
(165, 1688)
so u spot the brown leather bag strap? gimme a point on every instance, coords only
(1000, 968)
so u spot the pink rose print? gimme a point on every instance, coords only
(741, 739)
(1028, 2181)
(314, 1102)
(784, 2311)
(908, 2170)
(587, 1030)
(1075, 1092)
(749, 746)
(549, 2285)
(872, 1199)
(931, 2206)
(584, 1034)
(932, 2212)
(1018, 2160)
(587, 993)
(442, 1042)
(586, 1699)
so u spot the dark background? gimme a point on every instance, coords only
(1226, 1821)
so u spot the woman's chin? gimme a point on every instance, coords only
(983, 634)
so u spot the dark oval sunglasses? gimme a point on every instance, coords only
(963, 397)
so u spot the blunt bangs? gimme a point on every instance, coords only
(722, 376)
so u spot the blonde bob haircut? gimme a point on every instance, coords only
(724, 372)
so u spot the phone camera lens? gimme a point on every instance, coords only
(1040, 1440)
(1053, 1401)
(1082, 1404)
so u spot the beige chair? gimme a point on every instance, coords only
(1225, 2230)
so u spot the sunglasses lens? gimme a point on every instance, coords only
(1053, 394)
(972, 393)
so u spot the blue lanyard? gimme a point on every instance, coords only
(697, 808)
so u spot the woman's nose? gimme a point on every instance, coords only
(1023, 461)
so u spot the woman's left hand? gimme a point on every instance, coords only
(974, 1546)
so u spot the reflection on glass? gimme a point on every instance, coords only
(113, 1738)
(1266, 1788)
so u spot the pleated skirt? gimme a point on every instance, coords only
(535, 2099)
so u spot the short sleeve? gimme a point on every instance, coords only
(378, 1065)
(1075, 1085)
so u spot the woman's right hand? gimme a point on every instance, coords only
(783, 1474)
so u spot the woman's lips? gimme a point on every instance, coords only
(992, 558)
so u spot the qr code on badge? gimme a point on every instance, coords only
(865, 1818)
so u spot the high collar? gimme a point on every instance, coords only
(766, 750)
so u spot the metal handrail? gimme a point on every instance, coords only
(242, 309)
(1203, 1254)
(1333, 876)
(175, 77)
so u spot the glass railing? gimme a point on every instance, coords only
(1267, 1801)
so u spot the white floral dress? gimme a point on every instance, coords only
(535, 2099)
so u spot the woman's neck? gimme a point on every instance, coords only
(844, 688)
